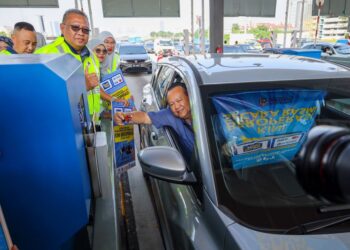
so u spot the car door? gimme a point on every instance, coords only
(178, 207)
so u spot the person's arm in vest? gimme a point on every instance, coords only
(110, 98)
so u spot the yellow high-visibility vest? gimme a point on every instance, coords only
(5, 52)
(91, 63)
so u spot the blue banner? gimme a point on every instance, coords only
(114, 84)
(123, 141)
(264, 127)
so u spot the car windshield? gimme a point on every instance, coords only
(255, 137)
(129, 50)
(246, 47)
(232, 49)
(179, 48)
(196, 48)
(343, 49)
(165, 43)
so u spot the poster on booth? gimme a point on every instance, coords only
(114, 84)
(265, 127)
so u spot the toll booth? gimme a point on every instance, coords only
(46, 186)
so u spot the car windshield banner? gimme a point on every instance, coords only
(114, 84)
(264, 127)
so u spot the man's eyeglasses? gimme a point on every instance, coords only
(77, 28)
(101, 51)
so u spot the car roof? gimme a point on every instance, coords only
(131, 44)
(319, 43)
(239, 68)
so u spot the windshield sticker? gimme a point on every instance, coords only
(264, 127)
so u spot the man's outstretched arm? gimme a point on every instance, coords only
(137, 117)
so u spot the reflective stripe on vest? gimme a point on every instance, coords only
(115, 63)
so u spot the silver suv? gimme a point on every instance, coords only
(251, 117)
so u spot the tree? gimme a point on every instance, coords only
(196, 33)
(153, 34)
(178, 35)
(227, 38)
(235, 28)
(3, 33)
(261, 31)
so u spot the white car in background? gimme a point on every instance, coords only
(166, 46)
(337, 53)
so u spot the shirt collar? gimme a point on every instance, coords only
(11, 50)
(83, 54)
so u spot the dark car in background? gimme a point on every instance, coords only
(251, 114)
(134, 58)
(248, 48)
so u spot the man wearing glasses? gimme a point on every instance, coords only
(75, 35)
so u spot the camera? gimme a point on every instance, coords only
(323, 163)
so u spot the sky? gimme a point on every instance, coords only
(124, 26)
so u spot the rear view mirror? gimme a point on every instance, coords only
(165, 163)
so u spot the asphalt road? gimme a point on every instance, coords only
(147, 228)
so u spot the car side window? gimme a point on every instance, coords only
(161, 83)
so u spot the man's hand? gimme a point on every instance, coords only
(125, 102)
(91, 80)
(119, 118)
(137, 117)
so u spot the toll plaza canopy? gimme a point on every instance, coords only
(332, 8)
(29, 3)
(158, 8)
(170, 8)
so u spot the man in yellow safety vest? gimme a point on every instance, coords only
(75, 35)
(23, 38)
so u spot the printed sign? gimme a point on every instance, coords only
(124, 144)
(263, 127)
(114, 84)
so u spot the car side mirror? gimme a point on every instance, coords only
(165, 163)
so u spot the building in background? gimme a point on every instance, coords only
(295, 11)
(333, 27)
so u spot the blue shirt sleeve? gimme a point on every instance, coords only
(161, 118)
(165, 117)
